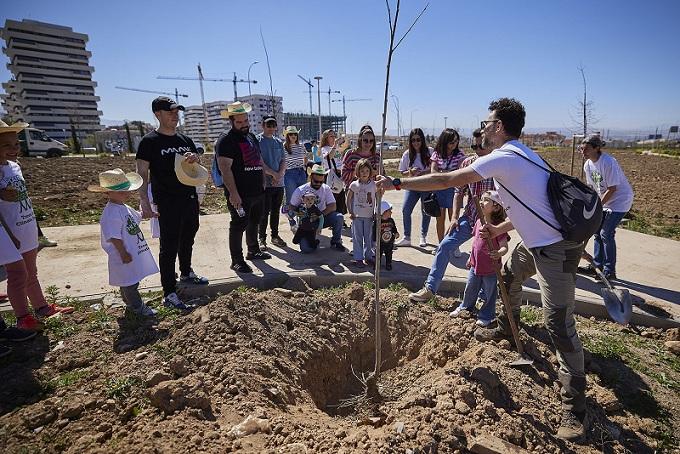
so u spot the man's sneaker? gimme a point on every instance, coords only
(422, 296)
(423, 241)
(490, 334)
(588, 270)
(262, 244)
(241, 267)
(15, 334)
(173, 302)
(456, 253)
(146, 311)
(259, 255)
(572, 427)
(29, 323)
(50, 310)
(4, 351)
(460, 310)
(43, 241)
(483, 323)
(406, 241)
(278, 241)
(338, 247)
(193, 278)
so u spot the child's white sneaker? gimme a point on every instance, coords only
(423, 241)
(457, 311)
(482, 323)
(406, 241)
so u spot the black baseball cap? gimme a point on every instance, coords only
(164, 103)
(268, 118)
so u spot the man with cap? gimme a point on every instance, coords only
(274, 166)
(325, 202)
(239, 160)
(177, 203)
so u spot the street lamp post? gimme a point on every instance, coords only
(251, 65)
(318, 96)
(445, 118)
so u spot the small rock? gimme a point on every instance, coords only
(61, 423)
(178, 366)
(59, 346)
(38, 429)
(297, 284)
(488, 444)
(141, 355)
(73, 410)
(112, 301)
(673, 347)
(673, 334)
(487, 376)
(40, 416)
(250, 425)
(357, 293)
(648, 334)
(201, 315)
(233, 390)
(284, 292)
(155, 377)
(462, 408)
(340, 433)
(399, 426)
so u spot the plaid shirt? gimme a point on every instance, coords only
(477, 188)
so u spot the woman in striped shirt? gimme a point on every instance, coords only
(296, 162)
(365, 149)
(446, 157)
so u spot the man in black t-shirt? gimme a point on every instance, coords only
(177, 203)
(240, 163)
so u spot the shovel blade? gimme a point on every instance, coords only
(522, 361)
(619, 304)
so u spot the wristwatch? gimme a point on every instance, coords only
(397, 183)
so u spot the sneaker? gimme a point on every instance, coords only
(173, 302)
(422, 296)
(4, 351)
(15, 334)
(588, 270)
(406, 241)
(358, 263)
(43, 241)
(456, 253)
(278, 241)
(29, 323)
(434, 251)
(193, 278)
(458, 311)
(483, 323)
(262, 243)
(572, 427)
(490, 334)
(423, 241)
(146, 311)
(241, 267)
(259, 255)
(50, 310)
(338, 247)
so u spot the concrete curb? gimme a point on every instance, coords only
(587, 307)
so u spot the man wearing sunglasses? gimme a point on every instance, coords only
(325, 203)
(555, 259)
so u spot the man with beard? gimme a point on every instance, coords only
(555, 258)
(240, 162)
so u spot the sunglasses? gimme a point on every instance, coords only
(474, 146)
(416, 139)
(368, 140)
(487, 122)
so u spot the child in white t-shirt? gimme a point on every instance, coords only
(130, 259)
(361, 207)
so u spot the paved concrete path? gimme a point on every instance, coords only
(647, 265)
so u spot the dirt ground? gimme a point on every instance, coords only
(271, 371)
(58, 188)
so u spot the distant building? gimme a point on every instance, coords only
(309, 124)
(194, 122)
(51, 86)
(544, 139)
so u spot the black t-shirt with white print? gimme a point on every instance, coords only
(159, 151)
(246, 166)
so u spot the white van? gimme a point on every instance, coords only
(34, 142)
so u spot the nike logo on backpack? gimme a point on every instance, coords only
(587, 214)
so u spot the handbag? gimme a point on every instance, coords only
(431, 206)
(333, 179)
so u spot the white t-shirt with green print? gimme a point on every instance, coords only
(604, 173)
(18, 215)
(122, 222)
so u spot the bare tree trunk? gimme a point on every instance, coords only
(585, 102)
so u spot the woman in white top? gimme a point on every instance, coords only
(414, 162)
(331, 154)
(604, 174)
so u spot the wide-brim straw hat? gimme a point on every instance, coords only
(190, 173)
(16, 127)
(117, 180)
(236, 108)
(319, 170)
(291, 130)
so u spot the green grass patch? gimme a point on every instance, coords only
(68, 378)
(120, 388)
(607, 346)
(164, 351)
(58, 327)
(396, 287)
(99, 320)
(530, 315)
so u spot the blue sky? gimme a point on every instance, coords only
(459, 56)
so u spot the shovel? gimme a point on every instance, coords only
(618, 302)
(523, 359)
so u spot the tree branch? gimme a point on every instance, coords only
(389, 16)
(412, 25)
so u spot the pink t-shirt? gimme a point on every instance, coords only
(479, 255)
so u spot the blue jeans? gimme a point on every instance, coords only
(410, 200)
(333, 220)
(445, 252)
(293, 179)
(445, 197)
(604, 256)
(362, 238)
(476, 283)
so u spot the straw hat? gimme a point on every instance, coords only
(291, 130)
(16, 127)
(319, 170)
(384, 206)
(190, 173)
(117, 181)
(236, 108)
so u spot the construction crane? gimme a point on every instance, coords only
(343, 101)
(176, 94)
(337, 92)
(310, 85)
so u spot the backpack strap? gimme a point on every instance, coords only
(526, 206)
(537, 165)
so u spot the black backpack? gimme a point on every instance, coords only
(576, 206)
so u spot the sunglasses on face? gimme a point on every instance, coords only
(368, 140)
(416, 139)
(487, 122)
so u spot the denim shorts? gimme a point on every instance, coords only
(445, 197)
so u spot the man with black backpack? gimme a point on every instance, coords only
(522, 180)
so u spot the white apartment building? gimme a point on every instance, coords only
(51, 86)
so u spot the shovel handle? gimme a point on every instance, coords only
(501, 283)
